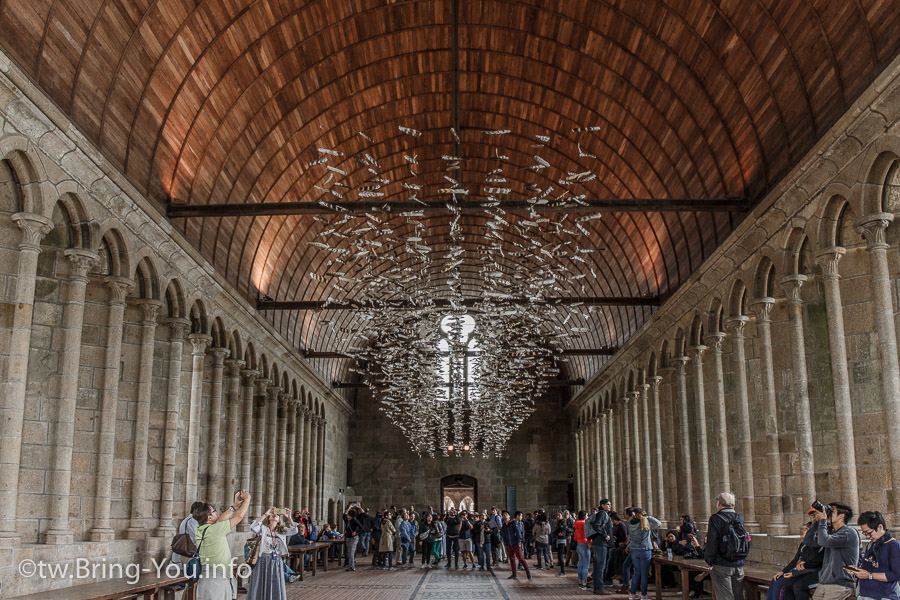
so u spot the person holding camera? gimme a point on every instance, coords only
(879, 570)
(267, 579)
(214, 553)
(352, 530)
(841, 546)
(726, 549)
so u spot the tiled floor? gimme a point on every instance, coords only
(439, 584)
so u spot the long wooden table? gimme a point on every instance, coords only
(149, 587)
(297, 555)
(756, 580)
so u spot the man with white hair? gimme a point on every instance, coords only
(727, 546)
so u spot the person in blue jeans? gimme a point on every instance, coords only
(641, 549)
(602, 543)
(583, 548)
(407, 533)
(806, 561)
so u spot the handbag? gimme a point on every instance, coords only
(424, 535)
(183, 545)
(251, 550)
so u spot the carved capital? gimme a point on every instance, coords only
(761, 308)
(34, 227)
(680, 363)
(655, 381)
(273, 391)
(149, 311)
(791, 286)
(218, 354)
(248, 376)
(827, 259)
(714, 341)
(322, 423)
(177, 327)
(80, 262)
(118, 289)
(234, 366)
(736, 325)
(643, 387)
(697, 352)
(872, 227)
(595, 421)
(199, 343)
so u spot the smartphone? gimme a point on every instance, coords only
(281, 511)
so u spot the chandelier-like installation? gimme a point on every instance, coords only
(466, 376)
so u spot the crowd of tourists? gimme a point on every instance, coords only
(597, 544)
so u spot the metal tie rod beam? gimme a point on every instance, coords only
(445, 303)
(399, 207)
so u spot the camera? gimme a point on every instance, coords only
(822, 507)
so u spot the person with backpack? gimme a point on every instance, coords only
(561, 535)
(542, 540)
(600, 527)
(727, 546)
(640, 544)
(188, 527)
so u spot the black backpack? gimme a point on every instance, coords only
(734, 545)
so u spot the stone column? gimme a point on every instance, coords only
(320, 504)
(59, 478)
(606, 486)
(634, 428)
(667, 407)
(271, 445)
(761, 308)
(589, 450)
(791, 286)
(660, 505)
(12, 403)
(827, 259)
(619, 450)
(177, 329)
(742, 401)
(646, 456)
(307, 439)
(705, 505)
(686, 471)
(248, 381)
(585, 477)
(313, 462)
(600, 487)
(720, 418)
(259, 433)
(280, 457)
(213, 454)
(199, 344)
(872, 228)
(140, 496)
(613, 465)
(579, 461)
(109, 396)
(228, 482)
(290, 455)
(298, 465)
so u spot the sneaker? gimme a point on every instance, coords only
(392, 568)
(560, 574)
(294, 578)
(528, 574)
(513, 577)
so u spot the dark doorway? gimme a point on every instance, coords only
(459, 491)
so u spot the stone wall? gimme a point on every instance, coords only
(385, 471)
(131, 367)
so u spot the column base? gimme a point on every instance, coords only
(164, 531)
(10, 539)
(136, 533)
(245, 526)
(102, 534)
(752, 527)
(59, 537)
(777, 529)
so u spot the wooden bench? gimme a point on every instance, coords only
(148, 587)
(297, 556)
(685, 566)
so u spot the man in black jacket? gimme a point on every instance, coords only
(601, 543)
(727, 575)
(452, 522)
(803, 570)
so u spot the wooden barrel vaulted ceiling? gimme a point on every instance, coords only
(226, 102)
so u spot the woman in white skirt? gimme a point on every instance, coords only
(267, 579)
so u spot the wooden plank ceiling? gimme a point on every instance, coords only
(217, 101)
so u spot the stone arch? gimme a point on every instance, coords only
(285, 383)
(715, 316)
(882, 159)
(199, 318)
(665, 355)
(263, 366)
(218, 333)
(81, 232)
(795, 252)
(652, 365)
(146, 279)
(276, 374)
(737, 299)
(235, 344)
(680, 344)
(294, 389)
(250, 356)
(113, 253)
(175, 301)
(25, 177)
(696, 330)
(764, 278)
(836, 223)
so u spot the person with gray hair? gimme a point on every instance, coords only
(727, 545)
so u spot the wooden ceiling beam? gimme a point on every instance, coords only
(264, 209)
(445, 303)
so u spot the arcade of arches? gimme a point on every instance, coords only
(138, 375)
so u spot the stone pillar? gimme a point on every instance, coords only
(791, 286)
(705, 506)
(659, 502)
(109, 397)
(228, 482)
(606, 486)
(634, 427)
(259, 434)
(646, 458)
(59, 478)
(681, 403)
(320, 505)
(761, 308)
(271, 445)
(213, 454)
(872, 228)
(667, 407)
(307, 439)
(199, 343)
(290, 455)
(827, 259)
(248, 380)
(610, 464)
(12, 403)
(597, 458)
(177, 329)
(583, 464)
(720, 418)
(298, 465)
(742, 402)
(280, 457)
(313, 462)
(140, 493)
(589, 463)
(579, 485)
(625, 424)
(619, 450)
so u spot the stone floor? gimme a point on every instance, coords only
(438, 584)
